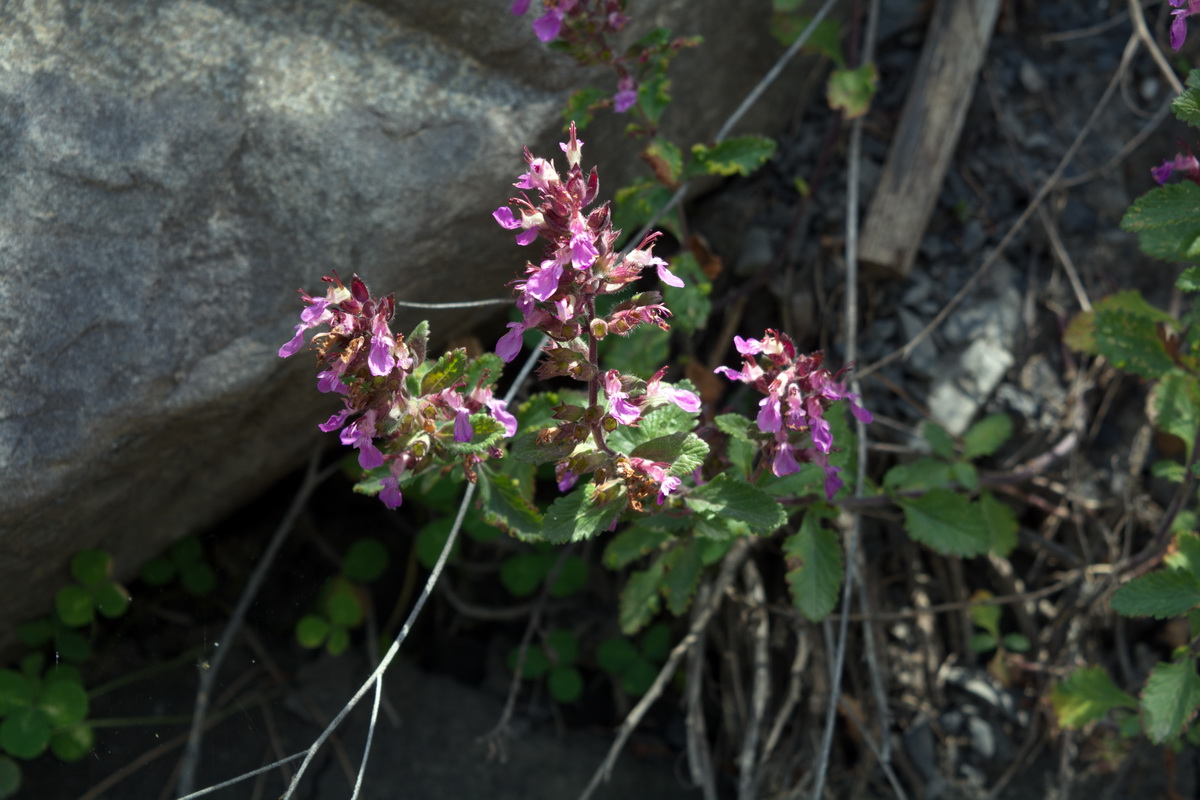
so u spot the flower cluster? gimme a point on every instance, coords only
(1183, 10)
(798, 391)
(365, 362)
(557, 296)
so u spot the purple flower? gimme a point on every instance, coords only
(359, 434)
(784, 462)
(619, 406)
(626, 94)
(547, 26)
(656, 390)
(670, 485)
(501, 414)
(1186, 165)
(390, 494)
(381, 359)
(543, 280)
(510, 343)
(519, 7)
(747, 347)
(1183, 10)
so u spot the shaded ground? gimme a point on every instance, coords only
(956, 731)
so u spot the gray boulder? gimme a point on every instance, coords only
(171, 172)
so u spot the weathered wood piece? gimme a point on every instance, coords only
(930, 124)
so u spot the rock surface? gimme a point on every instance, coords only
(172, 171)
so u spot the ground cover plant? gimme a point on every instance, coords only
(766, 530)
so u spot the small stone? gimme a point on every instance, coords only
(1030, 78)
(983, 741)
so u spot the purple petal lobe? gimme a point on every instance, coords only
(463, 430)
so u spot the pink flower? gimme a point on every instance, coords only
(1186, 165)
(547, 26)
(619, 406)
(626, 94)
(1183, 10)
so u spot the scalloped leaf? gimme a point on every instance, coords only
(940, 441)
(1170, 699)
(64, 702)
(633, 543)
(851, 90)
(924, 473)
(72, 743)
(578, 516)
(91, 567)
(488, 431)
(1167, 222)
(683, 565)
(683, 451)
(739, 155)
(1186, 107)
(503, 505)
(1174, 406)
(987, 435)
(25, 734)
(1001, 524)
(736, 500)
(445, 372)
(1160, 594)
(639, 600)
(1185, 555)
(814, 558)
(1087, 695)
(947, 522)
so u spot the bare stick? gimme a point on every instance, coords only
(761, 686)
(1139, 27)
(699, 758)
(191, 757)
(1131, 47)
(729, 566)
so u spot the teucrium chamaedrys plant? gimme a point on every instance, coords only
(1164, 351)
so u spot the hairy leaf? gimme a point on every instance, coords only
(814, 558)
(986, 436)
(1174, 406)
(639, 601)
(924, 473)
(1186, 107)
(683, 566)
(1160, 594)
(632, 543)
(445, 372)
(947, 522)
(1170, 699)
(740, 155)
(1001, 524)
(503, 504)
(738, 501)
(941, 442)
(1167, 222)
(851, 90)
(578, 516)
(1087, 695)
(683, 451)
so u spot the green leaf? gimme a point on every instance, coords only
(1185, 556)
(825, 39)
(662, 421)
(632, 543)
(1189, 280)
(187, 550)
(924, 473)
(91, 567)
(639, 601)
(72, 647)
(311, 631)
(36, 632)
(572, 578)
(1174, 405)
(740, 155)
(564, 644)
(522, 574)
(985, 615)
(339, 640)
(488, 431)
(1186, 107)
(431, 538)
(941, 442)
(683, 566)
(10, 777)
(64, 702)
(197, 578)
(639, 677)
(25, 734)
(640, 201)
(656, 642)
(982, 643)
(526, 447)
(158, 571)
(445, 372)
(986, 436)
(690, 304)
(72, 743)
(733, 499)
(1160, 594)
(1001, 524)
(15, 692)
(947, 522)
(111, 599)
(536, 664)
(577, 516)
(851, 90)
(74, 606)
(343, 603)
(1167, 222)
(683, 451)
(615, 654)
(581, 106)
(365, 561)
(503, 504)
(814, 559)
(1017, 643)
(1169, 700)
(965, 474)
(665, 159)
(1131, 342)
(565, 684)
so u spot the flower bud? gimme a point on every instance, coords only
(599, 329)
